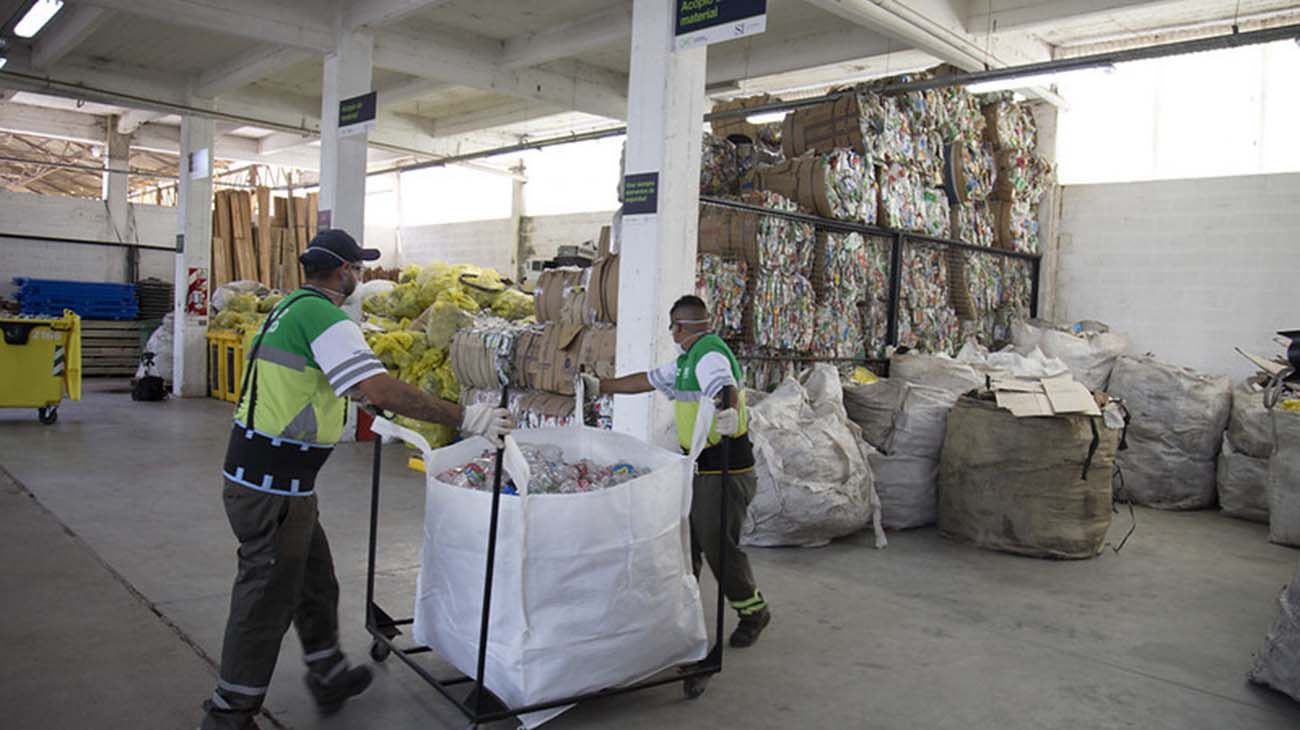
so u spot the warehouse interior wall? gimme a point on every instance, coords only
(80, 219)
(488, 242)
(1187, 268)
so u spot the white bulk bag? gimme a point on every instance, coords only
(590, 590)
(1277, 664)
(1284, 480)
(1243, 484)
(935, 371)
(814, 482)
(1176, 421)
(1090, 355)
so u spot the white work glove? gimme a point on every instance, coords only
(727, 422)
(590, 386)
(488, 421)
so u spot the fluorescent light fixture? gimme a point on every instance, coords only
(1025, 82)
(765, 117)
(36, 18)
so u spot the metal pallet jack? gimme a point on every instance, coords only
(480, 706)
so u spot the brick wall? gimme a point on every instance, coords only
(1188, 268)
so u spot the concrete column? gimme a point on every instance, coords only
(1049, 215)
(115, 189)
(194, 230)
(343, 159)
(518, 252)
(657, 260)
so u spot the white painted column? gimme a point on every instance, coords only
(194, 228)
(343, 159)
(657, 256)
(517, 253)
(115, 188)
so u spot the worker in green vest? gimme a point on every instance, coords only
(305, 361)
(708, 369)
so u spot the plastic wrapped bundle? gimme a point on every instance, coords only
(926, 320)
(763, 374)
(482, 355)
(959, 115)
(719, 171)
(900, 198)
(1009, 124)
(838, 328)
(927, 157)
(976, 292)
(783, 312)
(885, 128)
(936, 216)
(875, 315)
(784, 245)
(970, 171)
(973, 223)
(721, 284)
(1017, 292)
(1022, 176)
(1016, 223)
(850, 186)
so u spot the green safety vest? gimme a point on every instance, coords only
(687, 404)
(294, 400)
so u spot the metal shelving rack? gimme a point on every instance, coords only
(898, 239)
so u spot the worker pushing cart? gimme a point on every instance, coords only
(305, 360)
(707, 368)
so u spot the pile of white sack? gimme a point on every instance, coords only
(1088, 348)
(1176, 421)
(160, 344)
(1243, 461)
(814, 481)
(1284, 479)
(1278, 663)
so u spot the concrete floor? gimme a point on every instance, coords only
(922, 634)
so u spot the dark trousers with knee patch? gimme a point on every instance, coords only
(736, 577)
(286, 575)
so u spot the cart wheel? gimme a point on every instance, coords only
(693, 687)
(48, 414)
(379, 651)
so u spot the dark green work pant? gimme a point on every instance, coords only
(736, 577)
(286, 575)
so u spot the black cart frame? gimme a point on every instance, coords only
(480, 706)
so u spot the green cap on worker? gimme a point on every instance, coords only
(333, 247)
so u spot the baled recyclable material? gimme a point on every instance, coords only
(783, 312)
(1016, 224)
(722, 284)
(969, 171)
(1009, 124)
(783, 245)
(926, 319)
(719, 173)
(550, 292)
(973, 223)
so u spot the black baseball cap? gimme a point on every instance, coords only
(333, 247)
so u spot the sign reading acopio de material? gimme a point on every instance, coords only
(702, 22)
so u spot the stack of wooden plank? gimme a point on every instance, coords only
(109, 347)
(268, 251)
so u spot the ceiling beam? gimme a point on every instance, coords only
(56, 123)
(933, 27)
(377, 13)
(469, 60)
(414, 89)
(71, 28)
(1003, 15)
(131, 121)
(569, 39)
(270, 22)
(246, 68)
(504, 114)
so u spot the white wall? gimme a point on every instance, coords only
(76, 218)
(1188, 268)
(487, 243)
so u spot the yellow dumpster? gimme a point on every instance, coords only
(40, 362)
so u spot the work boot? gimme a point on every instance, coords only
(332, 693)
(750, 627)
